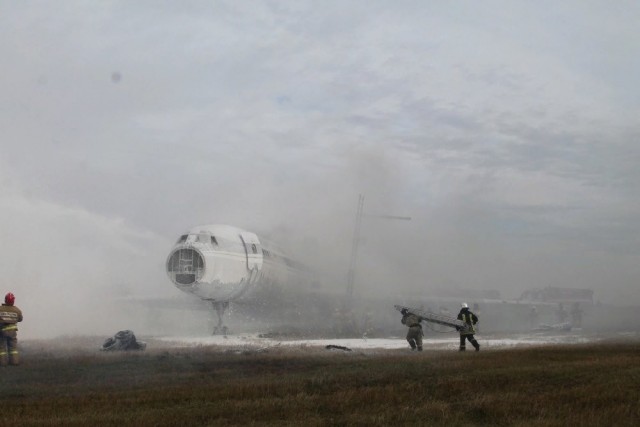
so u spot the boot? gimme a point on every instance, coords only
(462, 349)
(420, 348)
(478, 347)
(14, 359)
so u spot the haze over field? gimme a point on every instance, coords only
(507, 130)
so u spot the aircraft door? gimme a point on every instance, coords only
(253, 249)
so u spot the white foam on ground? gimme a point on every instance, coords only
(254, 341)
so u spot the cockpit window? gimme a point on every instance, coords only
(198, 238)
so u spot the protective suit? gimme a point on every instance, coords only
(467, 333)
(10, 315)
(414, 335)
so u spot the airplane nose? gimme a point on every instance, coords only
(185, 266)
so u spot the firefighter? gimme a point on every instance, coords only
(414, 335)
(10, 315)
(470, 320)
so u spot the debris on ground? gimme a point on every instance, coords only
(123, 341)
(337, 347)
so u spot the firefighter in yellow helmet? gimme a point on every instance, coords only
(10, 315)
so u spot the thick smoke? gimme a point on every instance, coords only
(72, 270)
(517, 168)
(77, 272)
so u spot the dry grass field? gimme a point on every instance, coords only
(579, 385)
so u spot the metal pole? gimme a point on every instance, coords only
(356, 241)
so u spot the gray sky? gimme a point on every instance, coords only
(508, 130)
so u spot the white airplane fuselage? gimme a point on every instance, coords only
(222, 263)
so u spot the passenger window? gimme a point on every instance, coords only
(183, 238)
(214, 242)
(254, 249)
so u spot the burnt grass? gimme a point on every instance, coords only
(597, 384)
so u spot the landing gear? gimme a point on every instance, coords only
(220, 307)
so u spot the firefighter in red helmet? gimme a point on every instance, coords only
(10, 315)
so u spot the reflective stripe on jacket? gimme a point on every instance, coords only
(10, 314)
(470, 319)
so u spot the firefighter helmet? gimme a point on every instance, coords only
(9, 298)
(464, 305)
